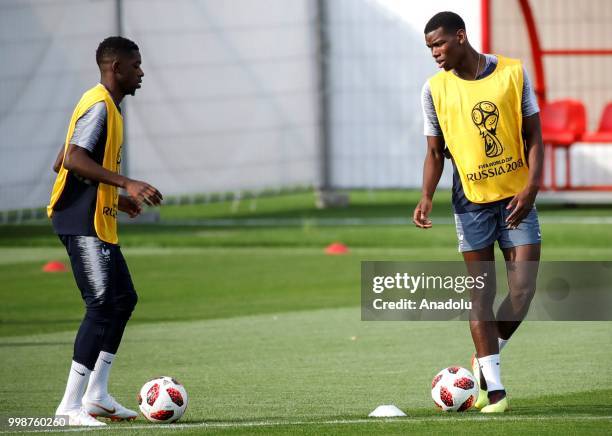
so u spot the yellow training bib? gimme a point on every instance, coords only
(105, 217)
(481, 121)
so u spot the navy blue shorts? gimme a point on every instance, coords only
(481, 228)
(100, 272)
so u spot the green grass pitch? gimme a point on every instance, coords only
(264, 329)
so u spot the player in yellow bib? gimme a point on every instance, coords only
(480, 112)
(83, 208)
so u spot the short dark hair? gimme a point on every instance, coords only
(113, 46)
(449, 21)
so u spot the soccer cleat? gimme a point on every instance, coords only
(108, 408)
(79, 417)
(483, 398)
(499, 407)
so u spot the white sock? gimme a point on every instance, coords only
(502, 343)
(489, 365)
(98, 382)
(75, 388)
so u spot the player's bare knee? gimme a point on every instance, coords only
(482, 301)
(482, 310)
(522, 296)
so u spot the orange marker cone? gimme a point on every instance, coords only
(54, 266)
(336, 248)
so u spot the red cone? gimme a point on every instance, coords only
(336, 248)
(54, 266)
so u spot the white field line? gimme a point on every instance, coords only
(247, 424)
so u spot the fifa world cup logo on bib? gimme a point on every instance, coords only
(485, 115)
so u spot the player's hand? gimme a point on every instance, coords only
(421, 213)
(521, 205)
(143, 192)
(129, 206)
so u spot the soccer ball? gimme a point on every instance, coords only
(162, 399)
(454, 389)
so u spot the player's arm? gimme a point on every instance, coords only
(57, 166)
(77, 160)
(432, 171)
(523, 202)
(129, 206)
(535, 150)
(126, 204)
(85, 138)
(434, 159)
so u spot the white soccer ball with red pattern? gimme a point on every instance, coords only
(162, 399)
(454, 389)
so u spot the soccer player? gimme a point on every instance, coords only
(481, 112)
(83, 209)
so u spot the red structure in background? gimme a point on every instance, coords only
(563, 121)
(563, 124)
(485, 25)
(604, 132)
